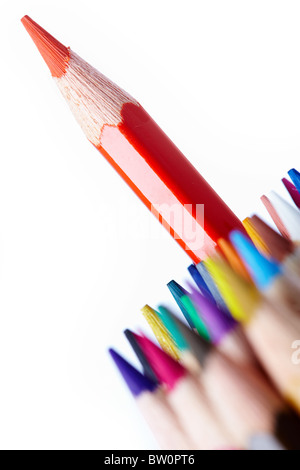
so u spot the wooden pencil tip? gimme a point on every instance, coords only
(55, 54)
(277, 246)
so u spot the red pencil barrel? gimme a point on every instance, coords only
(160, 174)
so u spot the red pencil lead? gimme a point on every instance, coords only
(55, 54)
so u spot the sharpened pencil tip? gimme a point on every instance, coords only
(218, 322)
(166, 368)
(184, 302)
(136, 382)
(202, 268)
(255, 236)
(293, 191)
(199, 281)
(178, 293)
(276, 246)
(289, 215)
(186, 339)
(147, 369)
(295, 177)
(263, 270)
(55, 54)
(240, 296)
(171, 326)
(275, 216)
(161, 333)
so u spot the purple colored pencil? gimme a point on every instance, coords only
(153, 404)
(226, 334)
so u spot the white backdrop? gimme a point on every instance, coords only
(76, 257)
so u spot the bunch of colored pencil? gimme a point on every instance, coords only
(228, 377)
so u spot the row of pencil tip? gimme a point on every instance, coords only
(226, 375)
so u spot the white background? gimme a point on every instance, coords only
(76, 257)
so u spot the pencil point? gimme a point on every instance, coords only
(188, 309)
(193, 313)
(167, 369)
(187, 338)
(255, 236)
(136, 382)
(169, 321)
(293, 191)
(240, 296)
(200, 283)
(217, 321)
(289, 215)
(276, 246)
(263, 271)
(275, 216)
(295, 177)
(55, 54)
(161, 333)
(147, 369)
(233, 258)
(178, 292)
(206, 275)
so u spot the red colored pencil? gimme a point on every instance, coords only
(139, 150)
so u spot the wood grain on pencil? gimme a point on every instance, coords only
(138, 149)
